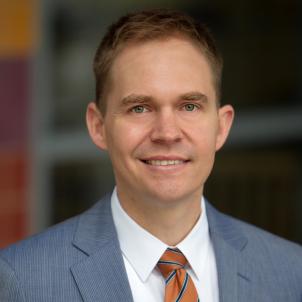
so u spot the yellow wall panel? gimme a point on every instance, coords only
(17, 30)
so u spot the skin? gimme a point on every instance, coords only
(161, 109)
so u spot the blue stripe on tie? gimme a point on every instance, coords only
(184, 286)
(177, 251)
(169, 263)
(171, 276)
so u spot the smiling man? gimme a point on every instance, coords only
(155, 238)
(162, 127)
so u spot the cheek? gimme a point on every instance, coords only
(124, 138)
(205, 152)
(205, 138)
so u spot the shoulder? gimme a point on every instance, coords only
(265, 242)
(45, 243)
(273, 258)
(254, 237)
(30, 262)
(268, 256)
(47, 258)
(57, 240)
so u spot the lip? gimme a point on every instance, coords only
(165, 157)
(170, 163)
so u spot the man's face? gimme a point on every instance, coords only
(162, 126)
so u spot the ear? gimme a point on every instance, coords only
(96, 126)
(225, 117)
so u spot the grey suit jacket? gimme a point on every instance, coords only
(80, 260)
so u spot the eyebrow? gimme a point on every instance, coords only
(194, 96)
(136, 99)
(141, 99)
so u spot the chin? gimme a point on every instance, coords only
(171, 195)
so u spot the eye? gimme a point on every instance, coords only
(138, 109)
(190, 107)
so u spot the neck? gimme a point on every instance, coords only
(170, 223)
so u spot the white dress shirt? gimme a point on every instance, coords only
(141, 252)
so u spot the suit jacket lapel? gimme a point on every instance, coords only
(100, 273)
(229, 242)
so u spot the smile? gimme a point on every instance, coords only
(164, 162)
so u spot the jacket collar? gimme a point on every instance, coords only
(100, 275)
(229, 243)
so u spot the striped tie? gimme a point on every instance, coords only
(179, 285)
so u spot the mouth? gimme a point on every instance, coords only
(170, 162)
(165, 161)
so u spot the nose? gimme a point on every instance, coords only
(166, 128)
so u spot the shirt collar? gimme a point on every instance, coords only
(195, 246)
(143, 250)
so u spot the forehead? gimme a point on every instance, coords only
(173, 63)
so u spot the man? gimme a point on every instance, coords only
(155, 238)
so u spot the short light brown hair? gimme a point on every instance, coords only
(146, 26)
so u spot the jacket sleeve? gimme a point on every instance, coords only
(10, 290)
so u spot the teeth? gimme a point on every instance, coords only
(164, 162)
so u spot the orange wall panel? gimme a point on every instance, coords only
(13, 196)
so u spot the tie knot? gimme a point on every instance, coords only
(171, 260)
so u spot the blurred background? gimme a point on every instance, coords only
(49, 168)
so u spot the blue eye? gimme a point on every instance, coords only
(190, 107)
(138, 109)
